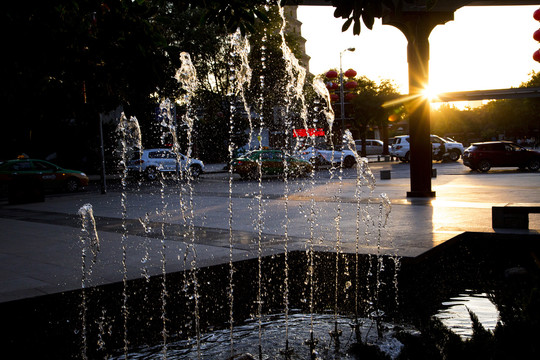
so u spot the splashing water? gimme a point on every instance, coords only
(130, 137)
(363, 173)
(386, 205)
(240, 78)
(187, 78)
(386, 208)
(320, 88)
(294, 104)
(89, 236)
(89, 240)
(384, 212)
(296, 77)
(168, 122)
(130, 140)
(145, 222)
(364, 178)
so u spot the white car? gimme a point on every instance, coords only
(401, 148)
(323, 155)
(373, 147)
(151, 162)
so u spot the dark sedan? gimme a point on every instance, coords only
(485, 155)
(272, 162)
(42, 173)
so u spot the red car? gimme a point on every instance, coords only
(485, 155)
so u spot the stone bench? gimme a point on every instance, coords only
(513, 216)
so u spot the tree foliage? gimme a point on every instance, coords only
(368, 109)
(510, 119)
(73, 59)
(69, 60)
(364, 108)
(234, 14)
(271, 74)
(356, 12)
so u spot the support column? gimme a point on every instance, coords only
(416, 26)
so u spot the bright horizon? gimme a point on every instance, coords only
(484, 47)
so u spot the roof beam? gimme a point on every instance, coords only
(440, 5)
(513, 93)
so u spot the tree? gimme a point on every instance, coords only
(269, 89)
(72, 60)
(366, 107)
(510, 118)
(447, 119)
(220, 63)
(210, 50)
(387, 91)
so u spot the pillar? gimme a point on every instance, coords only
(416, 26)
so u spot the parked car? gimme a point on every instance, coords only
(483, 156)
(324, 155)
(272, 162)
(48, 175)
(152, 162)
(401, 148)
(373, 147)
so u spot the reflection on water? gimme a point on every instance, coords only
(455, 314)
(216, 344)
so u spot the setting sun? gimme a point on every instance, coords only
(431, 93)
(472, 52)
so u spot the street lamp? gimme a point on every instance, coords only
(341, 92)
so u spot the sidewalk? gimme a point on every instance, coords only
(41, 248)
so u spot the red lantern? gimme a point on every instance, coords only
(536, 55)
(350, 73)
(349, 96)
(351, 84)
(332, 74)
(536, 35)
(536, 15)
(335, 86)
(329, 85)
(334, 97)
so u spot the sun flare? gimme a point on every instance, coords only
(431, 93)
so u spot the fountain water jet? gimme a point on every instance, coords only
(296, 76)
(130, 139)
(89, 240)
(240, 78)
(186, 75)
(364, 177)
(315, 271)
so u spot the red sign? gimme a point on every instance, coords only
(308, 132)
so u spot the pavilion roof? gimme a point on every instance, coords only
(441, 5)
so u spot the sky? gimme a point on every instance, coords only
(484, 47)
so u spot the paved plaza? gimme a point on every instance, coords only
(42, 243)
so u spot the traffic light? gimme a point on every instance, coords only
(536, 35)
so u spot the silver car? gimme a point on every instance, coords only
(151, 162)
(401, 148)
(373, 146)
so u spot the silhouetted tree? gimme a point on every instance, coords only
(511, 118)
